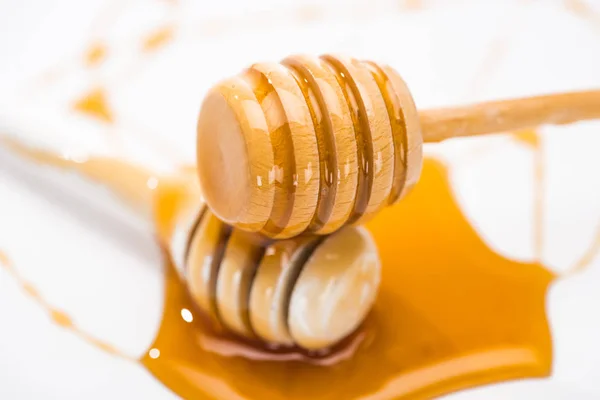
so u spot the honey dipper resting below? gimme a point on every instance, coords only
(309, 292)
(312, 144)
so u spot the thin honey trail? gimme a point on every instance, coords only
(532, 139)
(57, 316)
(539, 200)
(588, 256)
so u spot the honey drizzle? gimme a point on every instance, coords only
(539, 199)
(588, 256)
(57, 316)
(531, 138)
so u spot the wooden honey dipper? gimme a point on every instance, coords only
(312, 144)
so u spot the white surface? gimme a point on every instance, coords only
(83, 258)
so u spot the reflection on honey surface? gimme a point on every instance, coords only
(451, 314)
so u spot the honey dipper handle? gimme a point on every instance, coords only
(509, 115)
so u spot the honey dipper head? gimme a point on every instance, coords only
(309, 292)
(307, 145)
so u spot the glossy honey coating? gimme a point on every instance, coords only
(309, 292)
(307, 145)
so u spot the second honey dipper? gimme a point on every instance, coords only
(312, 144)
(309, 292)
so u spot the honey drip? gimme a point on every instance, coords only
(95, 54)
(94, 104)
(156, 40)
(451, 313)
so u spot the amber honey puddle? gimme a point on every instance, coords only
(451, 313)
